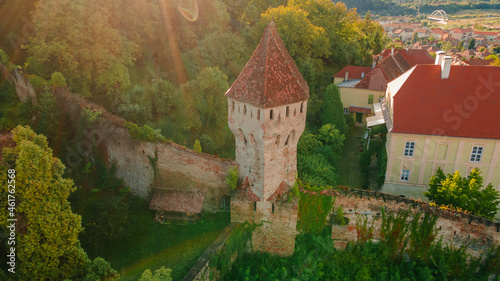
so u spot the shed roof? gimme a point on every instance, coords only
(173, 200)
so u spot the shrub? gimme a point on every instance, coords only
(144, 133)
(57, 80)
(232, 177)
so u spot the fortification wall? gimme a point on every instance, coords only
(146, 165)
(278, 224)
(454, 227)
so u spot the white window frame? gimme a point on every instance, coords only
(405, 175)
(409, 149)
(476, 153)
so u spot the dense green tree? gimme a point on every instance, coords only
(100, 269)
(254, 8)
(472, 44)
(135, 105)
(225, 50)
(47, 243)
(208, 93)
(77, 39)
(49, 118)
(207, 144)
(57, 80)
(466, 193)
(302, 38)
(332, 110)
(161, 274)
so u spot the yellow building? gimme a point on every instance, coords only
(360, 87)
(358, 101)
(440, 116)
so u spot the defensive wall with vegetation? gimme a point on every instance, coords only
(143, 159)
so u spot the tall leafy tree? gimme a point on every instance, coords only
(77, 39)
(302, 38)
(47, 230)
(208, 92)
(466, 193)
(332, 110)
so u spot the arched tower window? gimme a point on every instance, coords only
(242, 136)
(302, 107)
(251, 138)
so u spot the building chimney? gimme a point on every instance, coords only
(392, 51)
(439, 57)
(346, 75)
(445, 67)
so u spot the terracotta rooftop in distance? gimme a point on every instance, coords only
(354, 71)
(479, 62)
(182, 201)
(270, 78)
(426, 104)
(412, 56)
(387, 70)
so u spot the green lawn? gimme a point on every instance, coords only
(348, 167)
(152, 245)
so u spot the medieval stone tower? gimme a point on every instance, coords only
(267, 113)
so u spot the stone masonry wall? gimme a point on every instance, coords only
(455, 228)
(175, 166)
(278, 224)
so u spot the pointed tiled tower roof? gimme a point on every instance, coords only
(270, 78)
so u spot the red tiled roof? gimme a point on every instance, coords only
(182, 201)
(387, 70)
(360, 109)
(478, 62)
(464, 105)
(354, 71)
(486, 33)
(270, 78)
(412, 56)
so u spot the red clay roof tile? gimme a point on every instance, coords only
(270, 78)
(354, 71)
(464, 105)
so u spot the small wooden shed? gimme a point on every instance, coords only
(173, 204)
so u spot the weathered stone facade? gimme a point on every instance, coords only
(277, 220)
(266, 148)
(267, 114)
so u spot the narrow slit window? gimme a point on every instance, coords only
(287, 111)
(272, 208)
(287, 139)
(232, 108)
(258, 114)
(271, 114)
(301, 107)
(244, 109)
